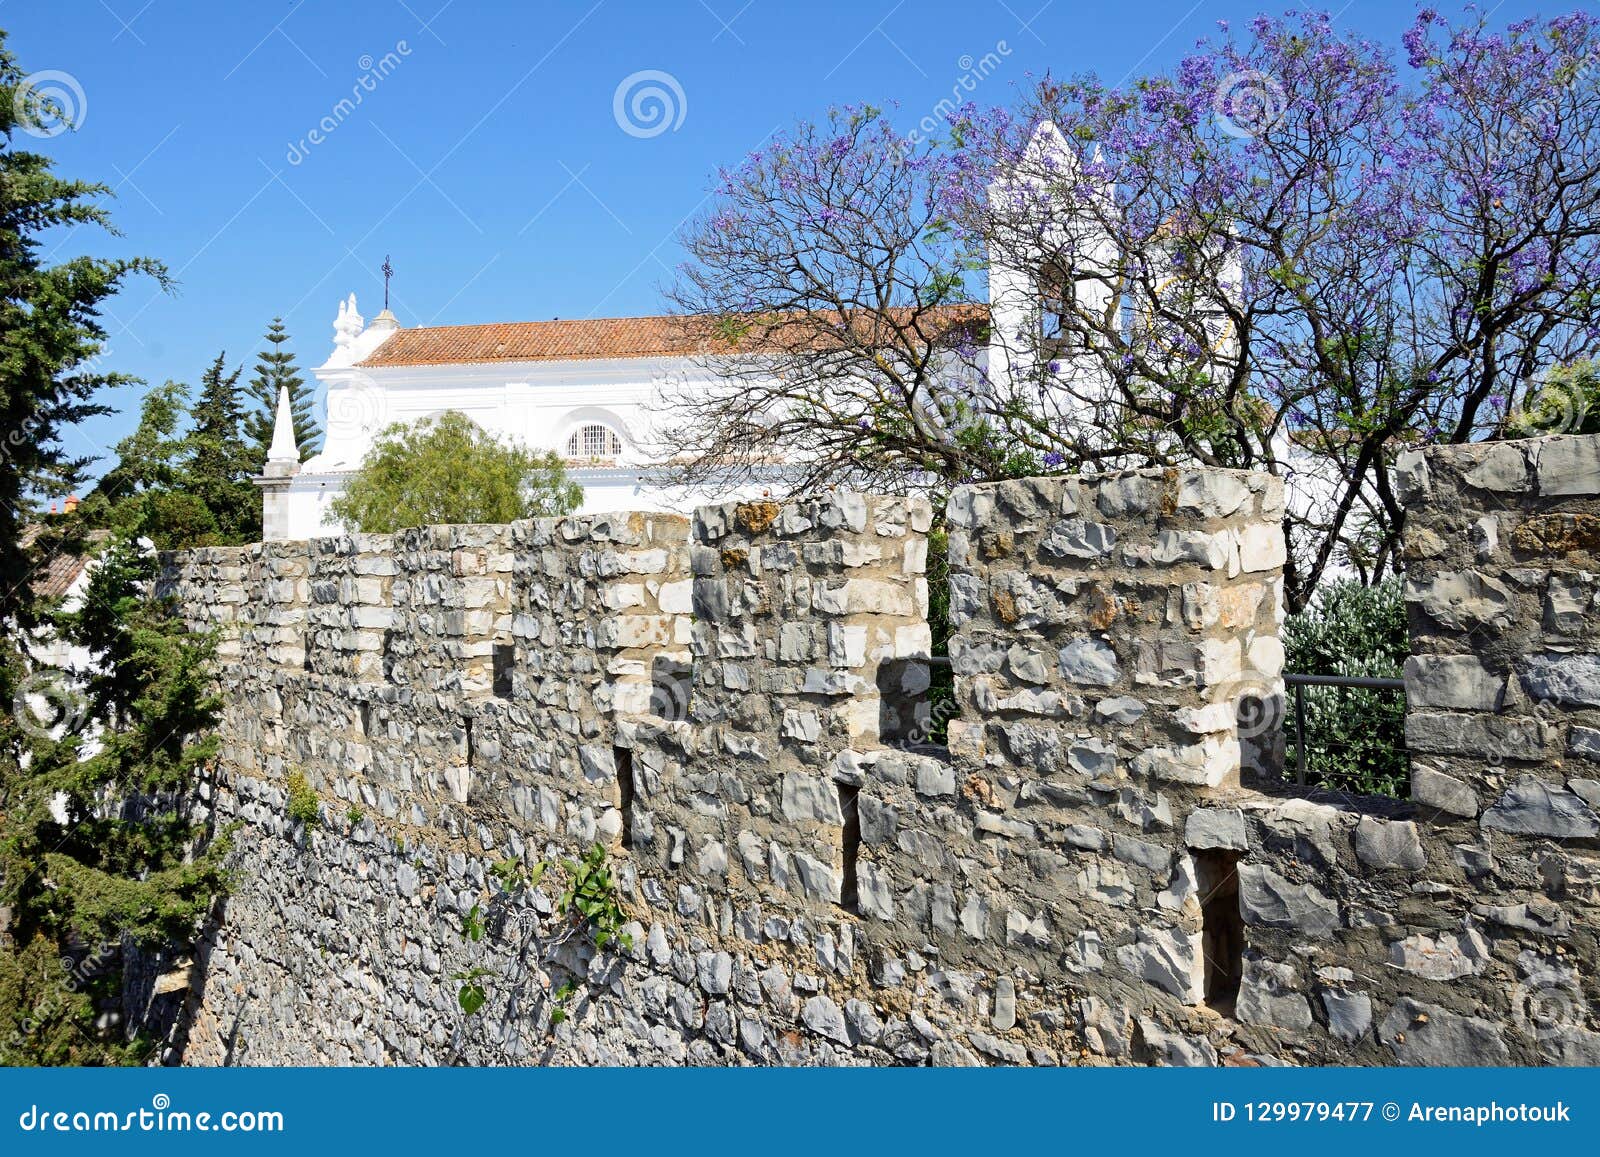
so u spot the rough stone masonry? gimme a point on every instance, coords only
(1100, 868)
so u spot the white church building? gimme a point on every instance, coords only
(590, 390)
(595, 391)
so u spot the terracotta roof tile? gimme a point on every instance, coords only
(534, 341)
(54, 575)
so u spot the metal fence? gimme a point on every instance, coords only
(1300, 682)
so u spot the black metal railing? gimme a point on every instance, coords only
(1301, 682)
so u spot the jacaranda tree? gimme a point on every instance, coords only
(1314, 255)
(1297, 251)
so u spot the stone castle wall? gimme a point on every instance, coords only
(1100, 868)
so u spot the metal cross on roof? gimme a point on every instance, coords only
(388, 271)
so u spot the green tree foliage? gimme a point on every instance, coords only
(221, 464)
(50, 334)
(93, 843)
(98, 842)
(446, 469)
(1355, 739)
(183, 487)
(274, 368)
(1567, 402)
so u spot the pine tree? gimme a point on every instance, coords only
(101, 871)
(83, 870)
(221, 463)
(276, 368)
(50, 339)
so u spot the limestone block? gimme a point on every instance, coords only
(1088, 662)
(1214, 551)
(1268, 994)
(1502, 467)
(1568, 680)
(1216, 828)
(1261, 547)
(1268, 899)
(1531, 806)
(1458, 682)
(1425, 1034)
(1441, 792)
(1169, 958)
(810, 799)
(1466, 601)
(1504, 737)
(1569, 465)
(1386, 844)
(1211, 762)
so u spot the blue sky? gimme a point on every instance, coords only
(485, 155)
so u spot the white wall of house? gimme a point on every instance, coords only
(540, 404)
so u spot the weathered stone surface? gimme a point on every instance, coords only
(1506, 737)
(1034, 894)
(1076, 538)
(1425, 1034)
(1266, 898)
(1268, 995)
(1584, 741)
(1170, 959)
(1569, 466)
(1349, 1014)
(1089, 662)
(1387, 844)
(1453, 681)
(825, 1018)
(1567, 680)
(1466, 601)
(1502, 467)
(1447, 956)
(1442, 793)
(1216, 828)
(1530, 806)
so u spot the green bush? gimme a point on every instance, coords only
(302, 799)
(1355, 738)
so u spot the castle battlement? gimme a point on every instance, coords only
(1104, 864)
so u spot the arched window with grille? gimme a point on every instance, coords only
(594, 440)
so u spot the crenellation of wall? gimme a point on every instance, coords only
(1503, 594)
(1102, 867)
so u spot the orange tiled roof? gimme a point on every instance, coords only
(54, 575)
(536, 341)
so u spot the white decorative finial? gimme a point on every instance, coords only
(284, 448)
(357, 322)
(341, 328)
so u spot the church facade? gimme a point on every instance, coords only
(600, 392)
(593, 391)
